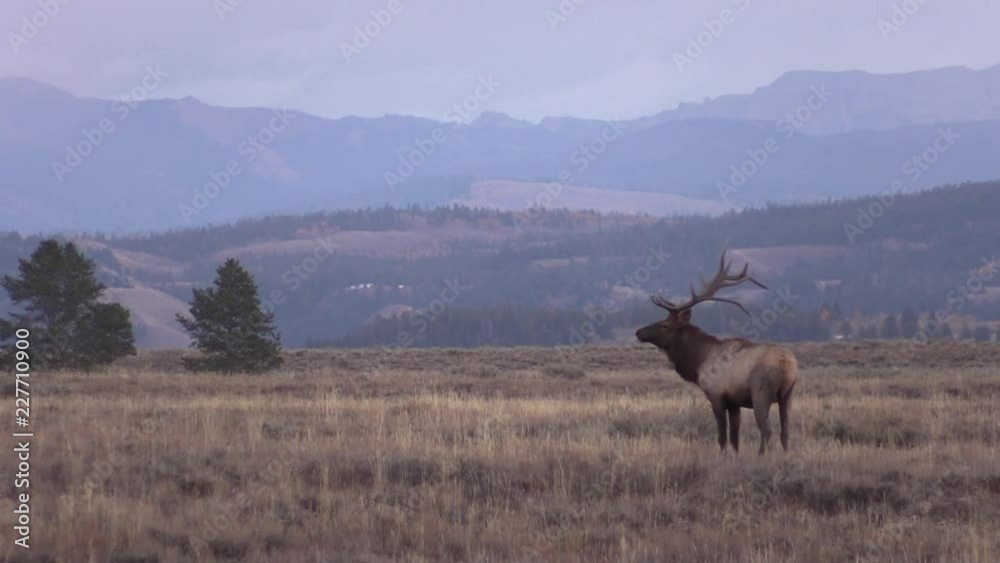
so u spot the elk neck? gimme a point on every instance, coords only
(689, 350)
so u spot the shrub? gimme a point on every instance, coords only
(564, 371)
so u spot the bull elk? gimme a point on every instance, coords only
(733, 373)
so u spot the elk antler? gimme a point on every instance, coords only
(722, 280)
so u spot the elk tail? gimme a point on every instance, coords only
(790, 368)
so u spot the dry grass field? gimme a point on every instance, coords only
(514, 455)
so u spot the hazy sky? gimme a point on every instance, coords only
(597, 58)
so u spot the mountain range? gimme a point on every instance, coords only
(69, 163)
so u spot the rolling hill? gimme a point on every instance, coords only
(341, 276)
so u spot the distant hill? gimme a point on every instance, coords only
(862, 101)
(163, 163)
(363, 276)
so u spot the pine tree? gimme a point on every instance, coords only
(890, 328)
(869, 332)
(982, 333)
(908, 323)
(56, 297)
(946, 332)
(229, 326)
(967, 333)
(844, 328)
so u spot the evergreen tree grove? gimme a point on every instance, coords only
(56, 297)
(908, 323)
(890, 327)
(982, 333)
(229, 327)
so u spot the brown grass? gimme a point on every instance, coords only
(497, 455)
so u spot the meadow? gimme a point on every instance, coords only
(597, 454)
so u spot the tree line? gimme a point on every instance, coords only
(913, 255)
(513, 325)
(566, 262)
(57, 298)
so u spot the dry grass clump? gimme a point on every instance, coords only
(483, 456)
(564, 371)
(869, 428)
(478, 371)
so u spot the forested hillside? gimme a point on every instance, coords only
(463, 277)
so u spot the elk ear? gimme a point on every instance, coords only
(684, 316)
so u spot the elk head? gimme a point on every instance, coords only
(669, 334)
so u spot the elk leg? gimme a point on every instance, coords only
(784, 409)
(734, 428)
(761, 410)
(720, 420)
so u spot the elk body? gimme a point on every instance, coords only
(734, 373)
